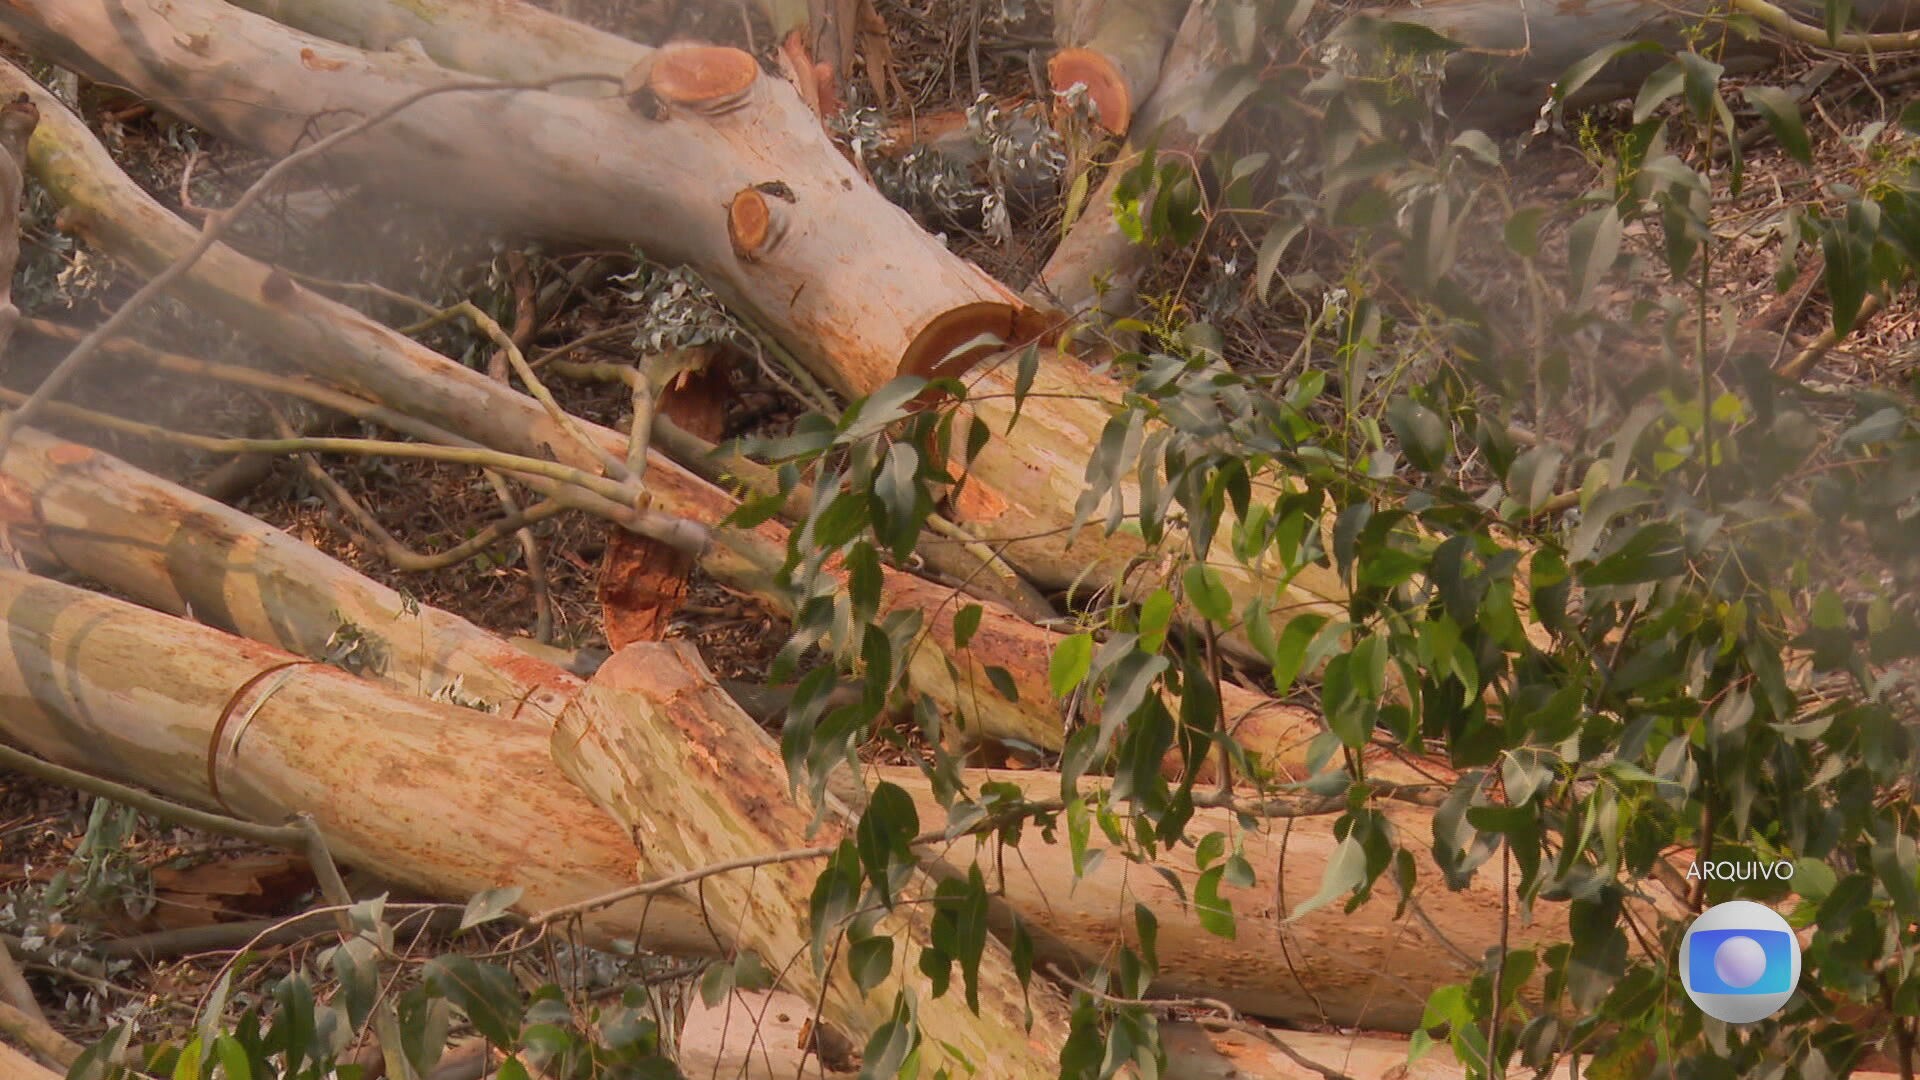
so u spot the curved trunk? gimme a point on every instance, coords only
(339, 344)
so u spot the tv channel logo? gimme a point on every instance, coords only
(1740, 961)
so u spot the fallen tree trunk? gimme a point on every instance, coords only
(897, 301)
(452, 801)
(434, 797)
(105, 207)
(188, 555)
(658, 745)
(1097, 267)
(1516, 51)
(1114, 49)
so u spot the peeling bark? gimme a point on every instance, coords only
(452, 801)
(435, 797)
(652, 719)
(185, 554)
(1114, 49)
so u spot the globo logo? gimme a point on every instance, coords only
(1740, 961)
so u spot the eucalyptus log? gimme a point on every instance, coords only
(1096, 267)
(451, 801)
(701, 120)
(189, 555)
(1516, 50)
(656, 742)
(435, 797)
(108, 210)
(1114, 49)
(17, 120)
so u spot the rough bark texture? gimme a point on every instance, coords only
(418, 780)
(17, 120)
(434, 797)
(1114, 49)
(1517, 50)
(844, 277)
(652, 720)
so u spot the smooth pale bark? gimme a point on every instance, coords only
(1517, 49)
(656, 742)
(189, 555)
(519, 35)
(1096, 267)
(794, 237)
(451, 801)
(1114, 49)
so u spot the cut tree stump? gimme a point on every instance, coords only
(1113, 48)
(664, 177)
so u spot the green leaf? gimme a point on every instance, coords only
(1156, 612)
(1651, 553)
(1583, 71)
(1003, 683)
(884, 837)
(489, 905)
(965, 624)
(1782, 113)
(1531, 479)
(1423, 435)
(869, 415)
(233, 1058)
(1345, 871)
(1071, 660)
(1207, 594)
(1214, 911)
(487, 993)
(1273, 247)
(1522, 231)
(1593, 243)
(1657, 89)
(870, 961)
(1291, 654)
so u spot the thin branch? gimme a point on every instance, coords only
(1816, 350)
(504, 341)
(1780, 20)
(479, 457)
(303, 835)
(217, 225)
(39, 1037)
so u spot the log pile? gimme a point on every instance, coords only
(459, 762)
